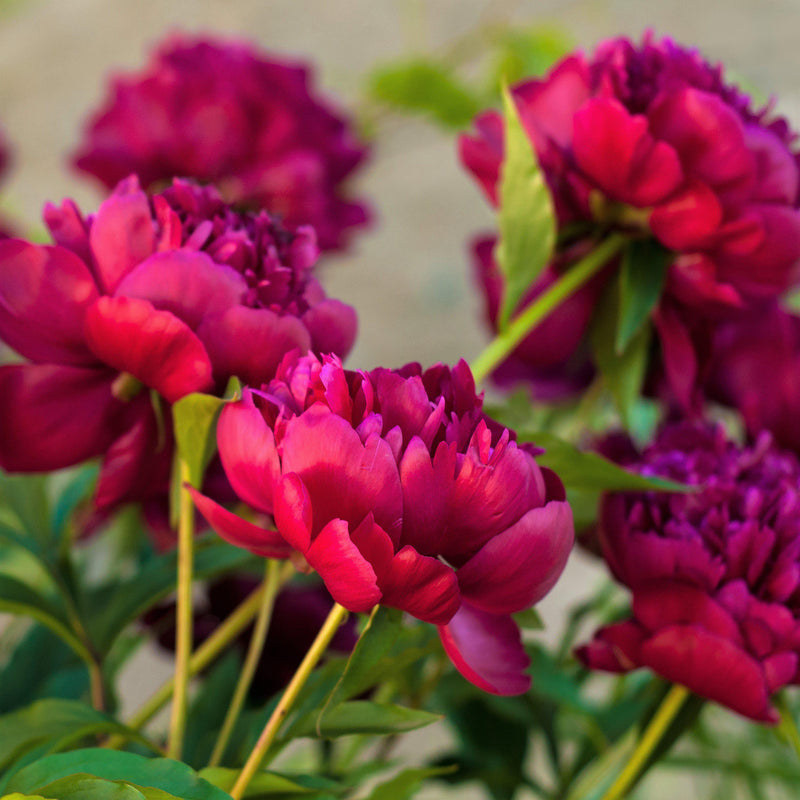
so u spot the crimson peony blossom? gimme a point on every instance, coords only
(226, 113)
(173, 293)
(715, 574)
(396, 489)
(651, 140)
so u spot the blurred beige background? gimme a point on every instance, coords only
(408, 277)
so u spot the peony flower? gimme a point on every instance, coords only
(173, 293)
(226, 113)
(754, 368)
(396, 489)
(714, 574)
(651, 140)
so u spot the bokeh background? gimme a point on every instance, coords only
(409, 276)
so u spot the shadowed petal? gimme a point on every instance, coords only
(333, 326)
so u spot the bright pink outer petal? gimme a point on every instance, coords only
(122, 235)
(344, 478)
(293, 515)
(519, 566)
(188, 283)
(688, 218)
(333, 326)
(487, 650)
(423, 586)
(250, 342)
(712, 667)
(247, 451)
(54, 416)
(375, 545)
(44, 294)
(615, 149)
(779, 670)
(349, 577)
(240, 532)
(153, 346)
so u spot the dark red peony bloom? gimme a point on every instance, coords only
(650, 139)
(715, 574)
(226, 113)
(396, 489)
(755, 367)
(173, 293)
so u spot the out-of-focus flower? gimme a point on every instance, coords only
(173, 293)
(297, 616)
(650, 139)
(396, 489)
(225, 113)
(6, 229)
(714, 573)
(755, 367)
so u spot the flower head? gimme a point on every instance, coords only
(173, 293)
(714, 574)
(651, 140)
(225, 113)
(396, 489)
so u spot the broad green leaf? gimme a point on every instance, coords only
(76, 489)
(529, 620)
(26, 497)
(527, 53)
(18, 796)
(587, 471)
(425, 87)
(272, 784)
(169, 776)
(526, 218)
(406, 783)
(641, 281)
(363, 716)
(195, 417)
(87, 787)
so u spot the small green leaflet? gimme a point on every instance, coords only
(526, 217)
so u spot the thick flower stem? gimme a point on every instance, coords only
(184, 619)
(652, 735)
(336, 617)
(538, 310)
(272, 583)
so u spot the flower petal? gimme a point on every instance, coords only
(293, 514)
(487, 650)
(333, 326)
(153, 346)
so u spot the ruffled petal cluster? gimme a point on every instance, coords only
(173, 293)
(396, 489)
(225, 113)
(714, 574)
(650, 139)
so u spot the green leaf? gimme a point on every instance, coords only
(406, 783)
(526, 217)
(195, 417)
(425, 87)
(641, 281)
(529, 620)
(169, 776)
(272, 784)
(587, 471)
(87, 787)
(363, 716)
(528, 53)
(26, 497)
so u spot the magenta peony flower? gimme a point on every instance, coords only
(754, 367)
(715, 574)
(226, 113)
(650, 139)
(397, 490)
(174, 293)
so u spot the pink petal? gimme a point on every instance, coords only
(333, 326)
(482, 154)
(614, 648)
(349, 577)
(777, 171)
(240, 532)
(688, 218)
(122, 234)
(153, 346)
(247, 451)
(69, 229)
(680, 359)
(54, 416)
(250, 342)
(487, 650)
(519, 566)
(44, 294)
(293, 514)
(188, 283)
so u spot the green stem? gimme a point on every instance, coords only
(184, 620)
(272, 583)
(788, 725)
(652, 735)
(336, 617)
(538, 310)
